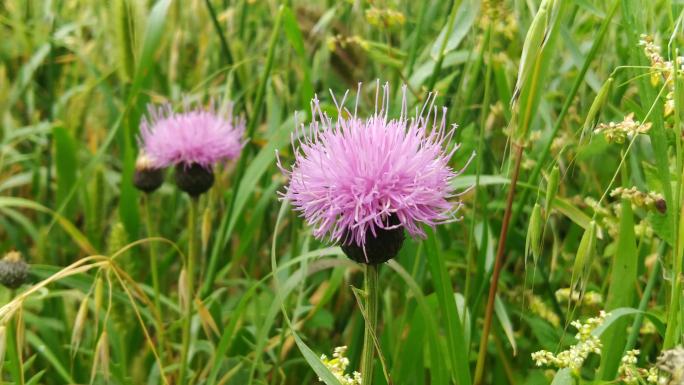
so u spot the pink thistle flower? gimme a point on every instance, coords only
(356, 181)
(193, 137)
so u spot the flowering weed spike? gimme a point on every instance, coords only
(356, 180)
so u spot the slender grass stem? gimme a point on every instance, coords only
(498, 264)
(371, 287)
(225, 48)
(242, 162)
(440, 59)
(190, 279)
(413, 50)
(154, 270)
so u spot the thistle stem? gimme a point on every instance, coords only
(155, 275)
(190, 280)
(371, 287)
(498, 264)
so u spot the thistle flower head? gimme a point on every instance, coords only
(355, 179)
(13, 270)
(195, 136)
(147, 177)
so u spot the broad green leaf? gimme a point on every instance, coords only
(294, 35)
(618, 314)
(623, 278)
(563, 377)
(49, 356)
(438, 373)
(458, 351)
(467, 13)
(505, 321)
(314, 361)
(66, 163)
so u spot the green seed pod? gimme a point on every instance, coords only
(183, 292)
(529, 69)
(13, 270)
(101, 358)
(551, 190)
(79, 325)
(3, 344)
(206, 228)
(117, 238)
(99, 294)
(596, 106)
(534, 231)
(585, 254)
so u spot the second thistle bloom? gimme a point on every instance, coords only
(192, 141)
(362, 182)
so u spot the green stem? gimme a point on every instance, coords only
(190, 280)
(155, 275)
(371, 287)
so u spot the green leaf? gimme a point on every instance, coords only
(49, 355)
(458, 352)
(294, 35)
(438, 373)
(620, 293)
(618, 314)
(151, 43)
(66, 164)
(312, 359)
(505, 321)
(467, 13)
(563, 377)
(78, 237)
(34, 380)
(26, 74)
